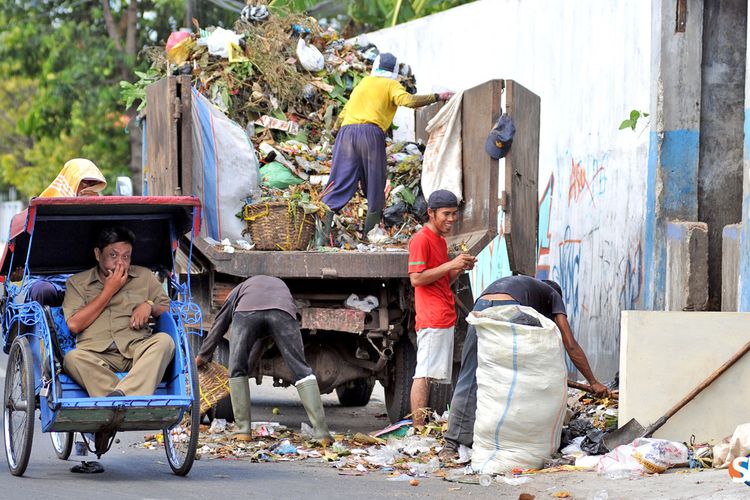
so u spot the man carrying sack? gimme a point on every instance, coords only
(261, 306)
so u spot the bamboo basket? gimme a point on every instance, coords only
(213, 379)
(279, 225)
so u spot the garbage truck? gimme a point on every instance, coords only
(349, 349)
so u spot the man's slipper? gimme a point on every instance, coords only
(87, 468)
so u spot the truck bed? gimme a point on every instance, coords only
(292, 264)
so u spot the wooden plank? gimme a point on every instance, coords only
(521, 180)
(478, 219)
(160, 171)
(185, 135)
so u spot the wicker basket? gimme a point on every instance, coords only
(279, 225)
(213, 379)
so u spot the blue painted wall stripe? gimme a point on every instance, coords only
(673, 163)
(649, 230)
(744, 291)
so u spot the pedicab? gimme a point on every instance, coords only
(53, 238)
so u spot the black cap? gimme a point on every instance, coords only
(387, 62)
(442, 198)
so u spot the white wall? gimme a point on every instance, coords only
(589, 61)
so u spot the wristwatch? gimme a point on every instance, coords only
(150, 303)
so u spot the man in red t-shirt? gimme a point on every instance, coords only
(431, 275)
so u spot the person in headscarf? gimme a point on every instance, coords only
(78, 177)
(359, 151)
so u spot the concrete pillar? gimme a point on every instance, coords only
(721, 128)
(687, 266)
(672, 183)
(730, 267)
(744, 279)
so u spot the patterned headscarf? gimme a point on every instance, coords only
(68, 181)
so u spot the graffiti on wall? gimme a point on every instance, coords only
(543, 237)
(587, 180)
(566, 270)
(589, 242)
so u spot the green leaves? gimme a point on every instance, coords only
(132, 92)
(632, 121)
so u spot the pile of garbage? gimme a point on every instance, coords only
(395, 450)
(285, 80)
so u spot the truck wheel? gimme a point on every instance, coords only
(356, 393)
(401, 371)
(441, 394)
(223, 408)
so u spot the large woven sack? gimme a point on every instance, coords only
(521, 389)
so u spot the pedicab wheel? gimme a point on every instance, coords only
(19, 406)
(181, 440)
(62, 442)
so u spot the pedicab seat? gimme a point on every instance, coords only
(63, 342)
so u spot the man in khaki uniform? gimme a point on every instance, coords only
(107, 308)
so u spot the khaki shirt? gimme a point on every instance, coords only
(113, 324)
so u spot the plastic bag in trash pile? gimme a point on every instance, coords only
(644, 455)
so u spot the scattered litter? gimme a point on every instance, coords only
(561, 494)
(399, 429)
(644, 456)
(515, 481)
(366, 304)
(485, 479)
(286, 448)
(414, 482)
(400, 477)
(464, 454)
(218, 426)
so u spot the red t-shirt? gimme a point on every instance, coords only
(433, 302)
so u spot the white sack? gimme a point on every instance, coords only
(738, 446)
(521, 390)
(225, 169)
(442, 163)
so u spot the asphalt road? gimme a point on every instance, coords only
(138, 473)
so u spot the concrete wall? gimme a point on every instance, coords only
(744, 279)
(721, 127)
(589, 77)
(672, 184)
(667, 354)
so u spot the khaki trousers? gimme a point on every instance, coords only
(145, 361)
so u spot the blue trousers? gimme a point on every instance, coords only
(358, 157)
(464, 401)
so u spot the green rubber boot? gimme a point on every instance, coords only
(372, 220)
(309, 393)
(240, 393)
(323, 235)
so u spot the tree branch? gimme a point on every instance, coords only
(111, 27)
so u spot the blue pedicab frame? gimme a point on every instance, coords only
(57, 236)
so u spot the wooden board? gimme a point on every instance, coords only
(167, 170)
(478, 222)
(522, 180)
(160, 169)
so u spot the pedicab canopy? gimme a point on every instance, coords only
(63, 231)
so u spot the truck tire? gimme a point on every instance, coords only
(441, 394)
(356, 393)
(223, 408)
(401, 371)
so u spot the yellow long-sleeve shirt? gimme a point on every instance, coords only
(376, 99)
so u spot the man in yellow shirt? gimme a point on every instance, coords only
(359, 151)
